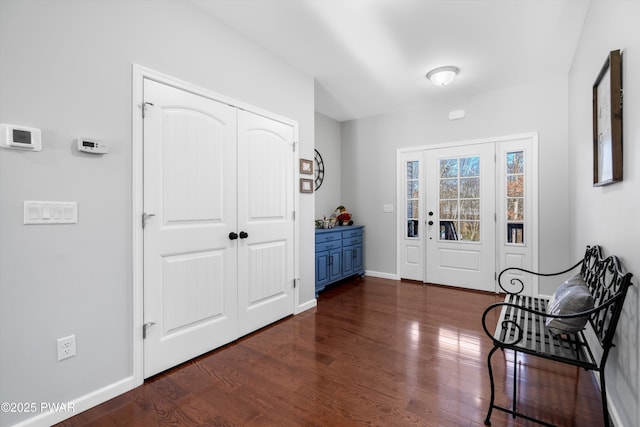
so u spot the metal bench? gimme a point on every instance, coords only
(521, 325)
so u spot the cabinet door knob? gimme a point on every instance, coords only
(233, 236)
(430, 223)
(243, 235)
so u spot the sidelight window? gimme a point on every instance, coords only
(413, 198)
(515, 197)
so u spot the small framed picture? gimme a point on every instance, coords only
(306, 185)
(306, 166)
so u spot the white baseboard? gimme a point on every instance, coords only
(81, 404)
(306, 306)
(613, 411)
(381, 275)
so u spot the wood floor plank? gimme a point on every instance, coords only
(374, 352)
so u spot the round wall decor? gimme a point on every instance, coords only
(318, 170)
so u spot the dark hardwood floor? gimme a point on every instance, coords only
(374, 352)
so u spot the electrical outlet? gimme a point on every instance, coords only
(66, 347)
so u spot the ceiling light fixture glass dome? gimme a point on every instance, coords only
(442, 76)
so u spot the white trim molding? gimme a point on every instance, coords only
(81, 404)
(404, 153)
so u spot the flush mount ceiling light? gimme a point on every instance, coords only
(442, 76)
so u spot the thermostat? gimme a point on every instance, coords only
(90, 145)
(20, 137)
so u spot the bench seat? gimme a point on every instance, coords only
(537, 339)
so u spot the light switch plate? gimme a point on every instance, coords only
(456, 115)
(50, 212)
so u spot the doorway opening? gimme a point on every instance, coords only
(468, 210)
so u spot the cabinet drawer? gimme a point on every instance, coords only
(327, 237)
(328, 245)
(352, 233)
(351, 241)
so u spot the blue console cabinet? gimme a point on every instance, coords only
(339, 254)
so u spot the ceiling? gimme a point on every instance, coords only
(370, 57)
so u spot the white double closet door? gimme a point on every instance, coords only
(219, 230)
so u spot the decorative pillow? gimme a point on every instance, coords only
(573, 281)
(571, 297)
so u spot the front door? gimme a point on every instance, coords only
(190, 264)
(460, 194)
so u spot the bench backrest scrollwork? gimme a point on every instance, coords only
(608, 284)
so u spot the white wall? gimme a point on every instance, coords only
(369, 161)
(327, 140)
(65, 67)
(609, 215)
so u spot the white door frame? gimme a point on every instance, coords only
(139, 73)
(400, 193)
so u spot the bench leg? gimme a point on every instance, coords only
(487, 420)
(515, 382)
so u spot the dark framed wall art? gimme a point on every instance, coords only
(607, 122)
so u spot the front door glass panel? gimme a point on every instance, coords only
(459, 199)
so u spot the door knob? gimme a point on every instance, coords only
(233, 236)
(243, 235)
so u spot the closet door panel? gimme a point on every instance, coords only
(265, 215)
(190, 265)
